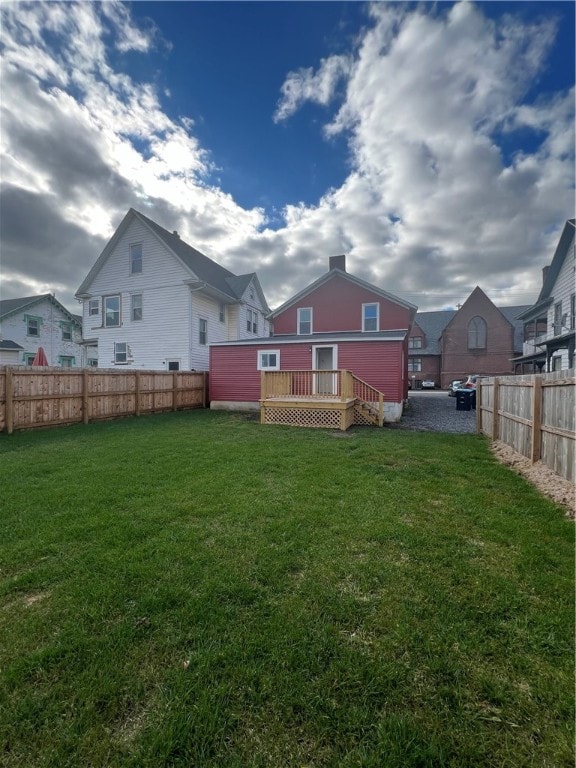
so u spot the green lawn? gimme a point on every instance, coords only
(196, 590)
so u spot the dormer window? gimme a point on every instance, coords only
(370, 317)
(136, 258)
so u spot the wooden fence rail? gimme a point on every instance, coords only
(535, 415)
(31, 398)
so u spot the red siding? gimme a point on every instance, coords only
(337, 306)
(234, 375)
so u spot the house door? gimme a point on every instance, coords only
(324, 359)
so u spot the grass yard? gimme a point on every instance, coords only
(196, 590)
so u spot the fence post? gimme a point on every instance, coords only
(380, 409)
(175, 391)
(85, 398)
(205, 375)
(536, 419)
(479, 407)
(137, 393)
(9, 401)
(495, 407)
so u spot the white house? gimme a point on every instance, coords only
(550, 324)
(152, 301)
(40, 321)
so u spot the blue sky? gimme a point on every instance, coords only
(432, 143)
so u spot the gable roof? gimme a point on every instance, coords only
(560, 254)
(9, 346)
(13, 306)
(203, 270)
(347, 276)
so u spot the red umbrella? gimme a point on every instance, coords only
(40, 358)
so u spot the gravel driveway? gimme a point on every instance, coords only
(435, 412)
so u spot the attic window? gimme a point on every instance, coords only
(66, 331)
(304, 321)
(32, 325)
(477, 333)
(136, 258)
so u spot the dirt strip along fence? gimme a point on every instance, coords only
(31, 398)
(533, 414)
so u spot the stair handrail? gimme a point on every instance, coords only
(379, 396)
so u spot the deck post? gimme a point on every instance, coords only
(380, 409)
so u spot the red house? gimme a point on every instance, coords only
(338, 326)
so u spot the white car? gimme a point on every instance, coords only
(428, 384)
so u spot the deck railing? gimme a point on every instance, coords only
(319, 385)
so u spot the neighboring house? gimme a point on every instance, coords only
(152, 301)
(339, 322)
(39, 321)
(478, 337)
(549, 325)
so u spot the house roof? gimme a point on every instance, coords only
(434, 323)
(347, 276)
(13, 306)
(6, 345)
(204, 271)
(546, 292)
(316, 338)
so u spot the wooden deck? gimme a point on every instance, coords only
(325, 399)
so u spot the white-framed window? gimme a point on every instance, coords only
(370, 317)
(572, 322)
(92, 362)
(120, 352)
(252, 321)
(203, 332)
(268, 359)
(135, 258)
(304, 321)
(94, 307)
(111, 311)
(136, 306)
(28, 358)
(415, 342)
(415, 364)
(477, 333)
(558, 318)
(222, 312)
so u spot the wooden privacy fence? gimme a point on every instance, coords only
(534, 415)
(41, 397)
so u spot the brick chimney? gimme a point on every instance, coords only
(338, 262)
(545, 273)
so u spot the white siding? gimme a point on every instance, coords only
(563, 288)
(50, 339)
(251, 300)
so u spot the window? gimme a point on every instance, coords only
(92, 362)
(66, 331)
(415, 342)
(415, 364)
(66, 361)
(33, 325)
(572, 322)
(203, 332)
(558, 318)
(28, 358)
(222, 312)
(120, 352)
(136, 306)
(477, 333)
(269, 360)
(94, 307)
(136, 259)
(252, 321)
(111, 311)
(173, 365)
(305, 320)
(370, 317)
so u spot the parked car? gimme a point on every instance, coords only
(471, 381)
(453, 386)
(428, 384)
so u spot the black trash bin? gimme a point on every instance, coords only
(464, 399)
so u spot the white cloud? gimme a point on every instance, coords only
(432, 204)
